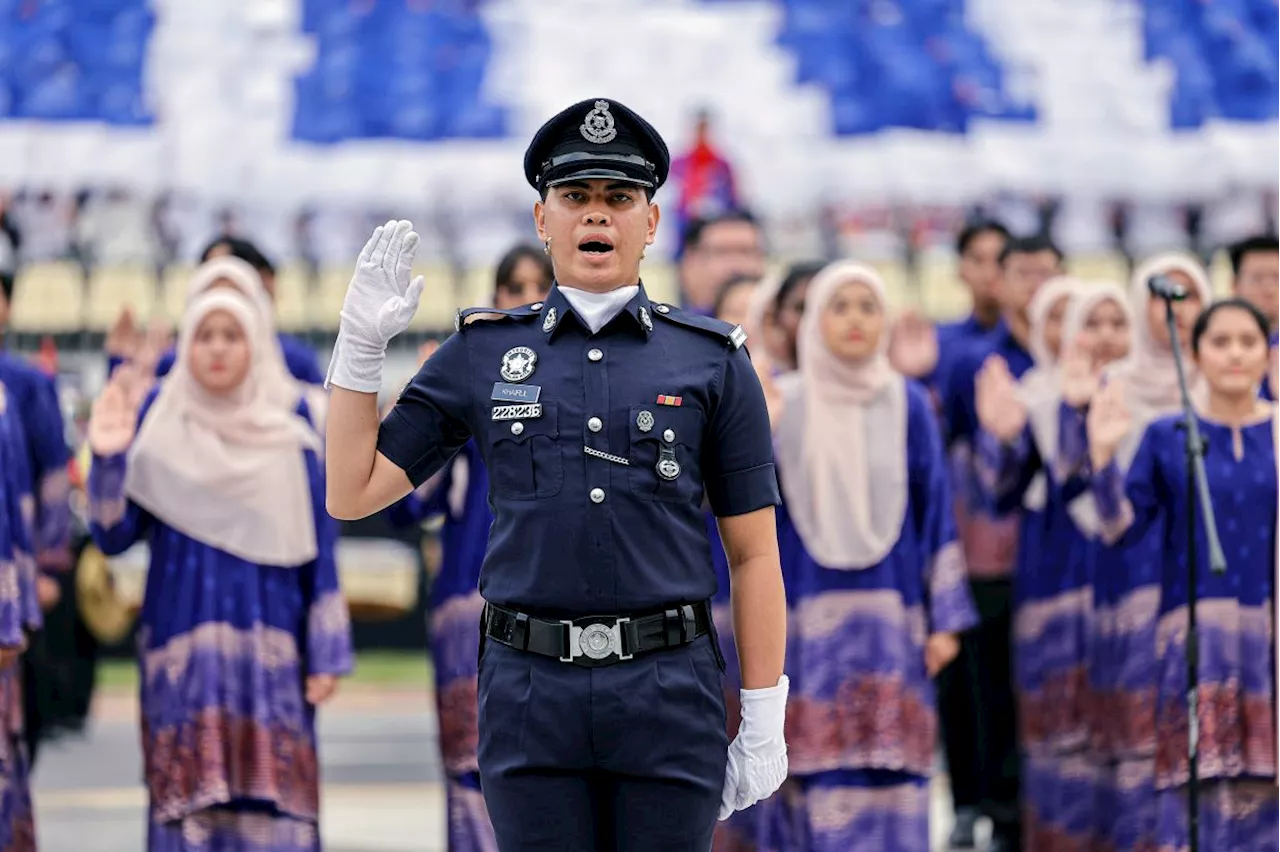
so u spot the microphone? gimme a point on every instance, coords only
(1164, 287)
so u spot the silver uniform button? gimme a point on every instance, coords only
(536, 306)
(662, 309)
(669, 436)
(595, 424)
(517, 428)
(597, 495)
(594, 355)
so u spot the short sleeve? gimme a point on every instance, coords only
(737, 462)
(431, 420)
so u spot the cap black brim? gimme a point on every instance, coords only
(600, 174)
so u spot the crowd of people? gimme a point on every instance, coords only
(993, 508)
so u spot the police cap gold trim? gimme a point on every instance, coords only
(597, 139)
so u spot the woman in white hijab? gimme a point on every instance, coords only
(1126, 580)
(875, 579)
(243, 629)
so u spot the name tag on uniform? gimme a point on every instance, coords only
(505, 392)
(517, 412)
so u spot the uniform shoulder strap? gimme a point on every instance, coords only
(730, 334)
(468, 316)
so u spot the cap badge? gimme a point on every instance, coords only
(598, 126)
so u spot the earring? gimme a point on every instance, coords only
(546, 247)
(642, 253)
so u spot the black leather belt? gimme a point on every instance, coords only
(597, 640)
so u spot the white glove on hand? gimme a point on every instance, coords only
(379, 304)
(758, 755)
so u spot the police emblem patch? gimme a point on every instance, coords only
(645, 320)
(598, 125)
(549, 321)
(644, 421)
(518, 363)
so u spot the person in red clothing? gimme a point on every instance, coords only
(705, 178)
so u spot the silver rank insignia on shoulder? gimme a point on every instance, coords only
(645, 320)
(549, 321)
(598, 125)
(517, 412)
(737, 337)
(644, 421)
(518, 363)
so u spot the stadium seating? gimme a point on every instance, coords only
(890, 63)
(401, 70)
(1225, 56)
(75, 61)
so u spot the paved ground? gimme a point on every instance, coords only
(382, 789)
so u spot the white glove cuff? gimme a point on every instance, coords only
(766, 695)
(356, 365)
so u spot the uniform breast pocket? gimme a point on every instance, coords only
(527, 460)
(665, 447)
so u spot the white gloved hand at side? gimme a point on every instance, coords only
(379, 304)
(758, 755)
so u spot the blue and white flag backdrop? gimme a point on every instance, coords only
(393, 101)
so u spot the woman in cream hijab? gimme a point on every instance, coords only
(875, 579)
(1126, 580)
(243, 627)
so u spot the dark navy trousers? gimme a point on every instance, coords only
(621, 758)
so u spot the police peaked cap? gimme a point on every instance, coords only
(597, 139)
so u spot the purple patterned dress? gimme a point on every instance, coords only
(460, 492)
(225, 646)
(19, 615)
(1237, 690)
(861, 719)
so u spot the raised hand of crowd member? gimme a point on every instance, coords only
(113, 418)
(1080, 374)
(426, 350)
(1000, 410)
(772, 395)
(124, 337)
(939, 650)
(1108, 423)
(913, 345)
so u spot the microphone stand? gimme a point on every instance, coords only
(1197, 493)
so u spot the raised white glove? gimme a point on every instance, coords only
(758, 755)
(379, 304)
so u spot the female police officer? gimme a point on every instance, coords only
(602, 417)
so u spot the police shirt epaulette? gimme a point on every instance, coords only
(731, 334)
(466, 317)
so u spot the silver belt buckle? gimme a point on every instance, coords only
(596, 641)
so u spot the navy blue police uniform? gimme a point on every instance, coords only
(602, 718)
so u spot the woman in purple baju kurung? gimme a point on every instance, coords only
(460, 492)
(1018, 462)
(875, 582)
(19, 615)
(1125, 576)
(1237, 689)
(243, 629)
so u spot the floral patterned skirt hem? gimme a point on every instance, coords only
(469, 827)
(1238, 814)
(840, 811)
(234, 828)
